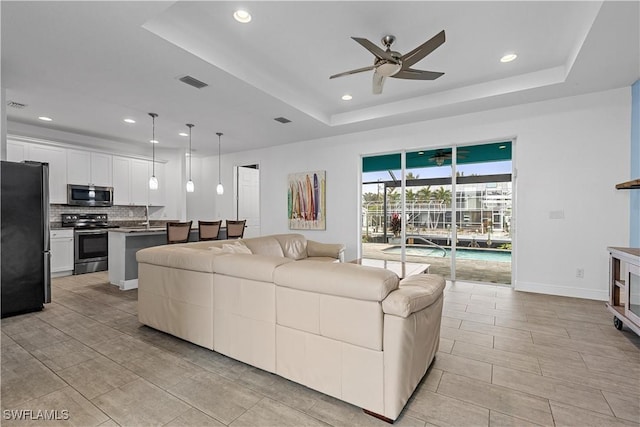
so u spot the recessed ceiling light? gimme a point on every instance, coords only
(153, 141)
(129, 121)
(183, 134)
(502, 147)
(45, 118)
(508, 57)
(187, 154)
(242, 16)
(347, 97)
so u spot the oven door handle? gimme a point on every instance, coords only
(85, 232)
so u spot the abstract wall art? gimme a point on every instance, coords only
(306, 201)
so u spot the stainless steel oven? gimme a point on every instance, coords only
(91, 241)
(91, 250)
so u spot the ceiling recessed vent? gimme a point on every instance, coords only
(191, 81)
(282, 120)
(14, 104)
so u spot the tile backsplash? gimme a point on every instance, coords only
(115, 213)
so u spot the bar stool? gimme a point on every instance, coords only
(208, 230)
(235, 229)
(178, 232)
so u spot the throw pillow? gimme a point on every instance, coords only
(236, 248)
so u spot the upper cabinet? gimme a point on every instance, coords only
(16, 151)
(88, 168)
(57, 159)
(131, 182)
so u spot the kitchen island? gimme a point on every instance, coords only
(124, 242)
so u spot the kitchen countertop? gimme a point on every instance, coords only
(139, 230)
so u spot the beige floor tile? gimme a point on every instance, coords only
(467, 336)
(67, 407)
(501, 399)
(93, 334)
(498, 331)
(503, 314)
(614, 366)
(552, 388)
(291, 394)
(431, 379)
(571, 416)
(20, 324)
(624, 406)
(497, 357)
(26, 381)
(97, 376)
(463, 366)
(216, 396)
(528, 348)
(577, 345)
(450, 322)
(40, 338)
(109, 423)
(267, 413)
(162, 369)
(533, 327)
(455, 306)
(445, 345)
(194, 417)
(140, 403)
(479, 318)
(601, 380)
(497, 419)
(64, 354)
(341, 414)
(123, 348)
(446, 411)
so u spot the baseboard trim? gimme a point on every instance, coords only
(563, 291)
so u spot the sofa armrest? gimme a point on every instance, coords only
(414, 294)
(318, 249)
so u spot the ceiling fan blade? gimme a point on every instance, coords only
(377, 51)
(359, 70)
(412, 74)
(423, 50)
(378, 82)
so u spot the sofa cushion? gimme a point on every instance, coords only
(414, 294)
(264, 246)
(254, 267)
(178, 256)
(235, 248)
(293, 246)
(340, 279)
(317, 249)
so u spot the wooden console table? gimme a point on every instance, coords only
(402, 269)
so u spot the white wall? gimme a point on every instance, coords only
(569, 153)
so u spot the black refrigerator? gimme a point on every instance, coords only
(24, 251)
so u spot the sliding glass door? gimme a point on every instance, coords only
(456, 214)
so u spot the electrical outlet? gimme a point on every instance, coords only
(580, 273)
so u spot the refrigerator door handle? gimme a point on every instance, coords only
(47, 277)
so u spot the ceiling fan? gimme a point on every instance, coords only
(441, 156)
(389, 63)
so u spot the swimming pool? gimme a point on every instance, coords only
(476, 254)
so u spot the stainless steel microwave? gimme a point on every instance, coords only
(89, 195)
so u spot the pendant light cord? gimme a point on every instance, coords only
(189, 125)
(219, 135)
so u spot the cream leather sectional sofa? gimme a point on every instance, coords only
(356, 333)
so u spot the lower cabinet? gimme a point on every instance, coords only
(61, 252)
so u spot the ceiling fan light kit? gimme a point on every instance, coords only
(389, 63)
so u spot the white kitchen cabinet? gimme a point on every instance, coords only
(57, 159)
(88, 168)
(139, 182)
(121, 180)
(16, 151)
(131, 182)
(61, 252)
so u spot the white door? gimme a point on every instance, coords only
(248, 199)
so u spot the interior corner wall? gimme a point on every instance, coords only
(569, 155)
(634, 196)
(3, 124)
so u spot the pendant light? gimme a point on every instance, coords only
(153, 181)
(190, 186)
(219, 188)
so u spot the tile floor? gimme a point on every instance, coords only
(506, 359)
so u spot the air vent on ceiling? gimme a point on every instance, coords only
(14, 104)
(282, 120)
(191, 81)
